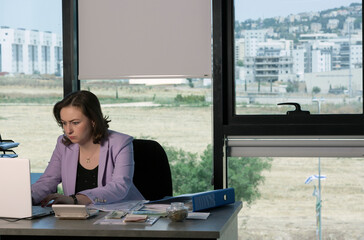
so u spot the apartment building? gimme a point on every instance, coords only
(239, 49)
(273, 62)
(25, 51)
(252, 39)
(266, 59)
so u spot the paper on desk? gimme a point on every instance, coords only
(150, 220)
(163, 207)
(116, 214)
(198, 215)
(135, 218)
(121, 206)
(156, 207)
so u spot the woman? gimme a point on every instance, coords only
(94, 164)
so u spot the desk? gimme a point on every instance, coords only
(221, 224)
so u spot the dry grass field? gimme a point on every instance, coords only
(34, 127)
(286, 209)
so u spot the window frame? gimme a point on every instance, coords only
(228, 123)
(322, 124)
(70, 46)
(225, 121)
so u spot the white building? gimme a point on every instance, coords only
(294, 29)
(321, 56)
(316, 27)
(293, 17)
(317, 36)
(298, 57)
(347, 52)
(341, 52)
(348, 27)
(335, 79)
(272, 62)
(30, 51)
(239, 49)
(332, 23)
(252, 39)
(321, 60)
(356, 55)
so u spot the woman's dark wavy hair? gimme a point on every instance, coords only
(90, 107)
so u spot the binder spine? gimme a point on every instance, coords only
(212, 199)
(203, 201)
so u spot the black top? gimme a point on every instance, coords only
(86, 179)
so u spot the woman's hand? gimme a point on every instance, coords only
(56, 198)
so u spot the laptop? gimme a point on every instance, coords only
(15, 189)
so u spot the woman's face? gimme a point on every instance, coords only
(76, 126)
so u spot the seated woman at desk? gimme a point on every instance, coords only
(94, 164)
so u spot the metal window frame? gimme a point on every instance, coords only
(70, 46)
(227, 124)
(295, 146)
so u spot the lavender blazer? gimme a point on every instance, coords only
(115, 172)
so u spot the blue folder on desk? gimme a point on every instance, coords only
(202, 200)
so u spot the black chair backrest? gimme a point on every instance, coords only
(152, 174)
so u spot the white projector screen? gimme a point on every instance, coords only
(122, 39)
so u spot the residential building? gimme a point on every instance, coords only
(252, 38)
(321, 56)
(348, 27)
(332, 23)
(316, 27)
(30, 51)
(273, 62)
(239, 49)
(298, 58)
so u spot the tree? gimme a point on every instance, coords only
(269, 22)
(190, 83)
(245, 175)
(190, 175)
(358, 21)
(184, 171)
(240, 63)
(316, 90)
(292, 87)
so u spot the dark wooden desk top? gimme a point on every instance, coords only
(212, 228)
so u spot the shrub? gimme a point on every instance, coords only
(190, 99)
(316, 90)
(190, 175)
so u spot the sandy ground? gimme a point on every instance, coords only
(286, 209)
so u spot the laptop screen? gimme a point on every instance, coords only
(15, 188)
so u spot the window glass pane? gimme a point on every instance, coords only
(174, 112)
(280, 199)
(308, 52)
(31, 76)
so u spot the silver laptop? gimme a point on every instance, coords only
(15, 189)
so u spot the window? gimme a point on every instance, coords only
(336, 83)
(246, 107)
(286, 207)
(31, 78)
(175, 112)
(302, 80)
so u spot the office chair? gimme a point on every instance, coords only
(5, 147)
(152, 174)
